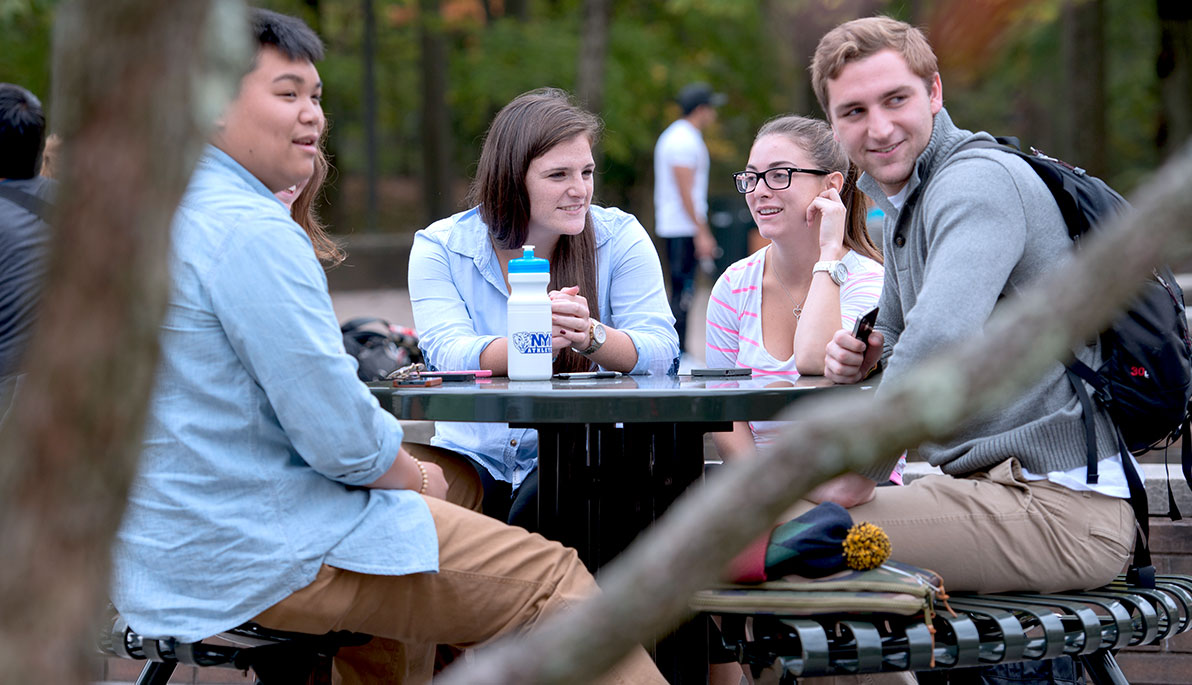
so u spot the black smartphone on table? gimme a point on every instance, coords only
(864, 325)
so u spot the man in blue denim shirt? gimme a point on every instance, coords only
(272, 486)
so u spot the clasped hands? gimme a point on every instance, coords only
(570, 320)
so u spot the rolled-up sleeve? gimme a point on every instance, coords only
(446, 330)
(271, 298)
(637, 298)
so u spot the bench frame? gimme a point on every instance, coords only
(986, 629)
(276, 657)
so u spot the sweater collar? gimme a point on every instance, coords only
(945, 137)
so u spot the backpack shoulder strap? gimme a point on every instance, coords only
(1090, 428)
(27, 201)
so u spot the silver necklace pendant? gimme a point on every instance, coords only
(797, 311)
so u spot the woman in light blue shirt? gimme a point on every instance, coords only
(534, 186)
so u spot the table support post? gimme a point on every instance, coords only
(602, 484)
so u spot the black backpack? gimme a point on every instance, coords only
(380, 348)
(1145, 377)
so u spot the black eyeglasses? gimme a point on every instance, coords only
(778, 178)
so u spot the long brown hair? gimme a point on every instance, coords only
(815, 136)
(525, 129)
(305, 215)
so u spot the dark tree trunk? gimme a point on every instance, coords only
(436, 118)
(518, 9)
(1174, 68)
(787, 50)
(370, 115)
(1085, 132)
(593, 53)
(314, 17)
(127, 77)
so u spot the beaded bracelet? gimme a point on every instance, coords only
(425, 476)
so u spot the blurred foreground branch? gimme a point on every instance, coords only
(646, 589)
(138, 84)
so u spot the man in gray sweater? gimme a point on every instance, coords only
(24, 235)
(964, 229)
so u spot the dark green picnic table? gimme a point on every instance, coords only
(613, 453)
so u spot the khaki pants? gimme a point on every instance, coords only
(493, 579)
(996, 532)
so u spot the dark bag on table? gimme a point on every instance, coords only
(380, 348)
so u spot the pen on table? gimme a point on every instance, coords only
(578, 375)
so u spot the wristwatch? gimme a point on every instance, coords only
(837, 270)
(596, 334)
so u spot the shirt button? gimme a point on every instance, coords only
(899, 240)
(513, 443)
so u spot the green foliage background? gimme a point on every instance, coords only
(655, 47)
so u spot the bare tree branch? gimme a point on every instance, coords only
(647, 588)
(138, 84)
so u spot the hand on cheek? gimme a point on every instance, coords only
(826, 214)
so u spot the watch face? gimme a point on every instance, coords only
(839, 273)
(598, 333)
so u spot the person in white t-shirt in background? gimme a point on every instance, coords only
(681, 166)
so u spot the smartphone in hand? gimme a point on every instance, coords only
(864, 325)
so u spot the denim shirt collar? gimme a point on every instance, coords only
(216, 160)
(469, 238)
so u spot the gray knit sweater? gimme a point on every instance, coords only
(985, 227)
(24, 247)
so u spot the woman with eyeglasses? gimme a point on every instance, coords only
(534, 186)
(776, 310)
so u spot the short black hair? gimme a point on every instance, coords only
(290, 35)
(22, 132)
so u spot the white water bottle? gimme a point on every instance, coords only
(530, 355)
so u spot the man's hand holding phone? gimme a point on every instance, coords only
(850, 355)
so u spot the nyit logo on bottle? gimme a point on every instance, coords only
(532, 343)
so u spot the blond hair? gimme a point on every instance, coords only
(861, 38)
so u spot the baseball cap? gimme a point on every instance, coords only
(693, 95)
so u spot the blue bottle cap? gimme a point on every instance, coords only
(529, 264)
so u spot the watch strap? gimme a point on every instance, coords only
(833, 269)
(825, 266)
(593, 343)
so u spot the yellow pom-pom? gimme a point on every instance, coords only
(866, 547)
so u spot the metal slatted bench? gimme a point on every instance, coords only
(275, 657)
(985, 629)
